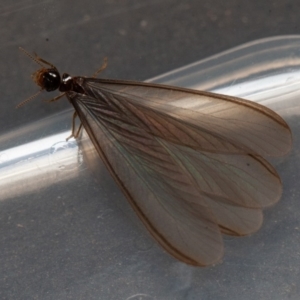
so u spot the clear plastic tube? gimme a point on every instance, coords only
(266, 71)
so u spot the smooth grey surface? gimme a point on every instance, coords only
(53, 249)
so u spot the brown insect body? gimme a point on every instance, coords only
(189, 162)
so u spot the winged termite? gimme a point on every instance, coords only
(189, 162)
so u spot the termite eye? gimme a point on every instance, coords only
(51, 80)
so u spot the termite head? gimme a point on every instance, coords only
(48, 79)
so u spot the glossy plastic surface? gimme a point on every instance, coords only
(38, 164)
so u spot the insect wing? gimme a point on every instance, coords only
(198, 119)
(244, 179)
(165, 199)
(184, 196)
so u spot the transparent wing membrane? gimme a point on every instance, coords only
(188, 162)
(198, 119)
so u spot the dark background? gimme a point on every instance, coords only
(141, 39)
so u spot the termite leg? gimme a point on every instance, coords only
(104, 65)
(73, 134)
(78, 131)
(56, 98)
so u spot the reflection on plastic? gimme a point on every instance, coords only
(265, 71)
(37, 164)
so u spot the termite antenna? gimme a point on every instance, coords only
(29, 99)
(31, 57)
